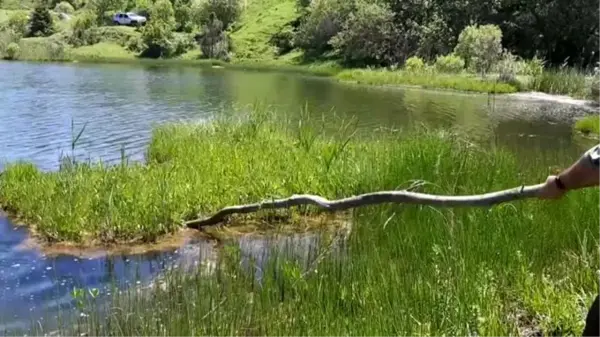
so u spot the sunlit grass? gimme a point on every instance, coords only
(564, 81)
(589, 124)
(193, 170)
(521, 268)
(425, 79)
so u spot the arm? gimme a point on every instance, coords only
(583, 173)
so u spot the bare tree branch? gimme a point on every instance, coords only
(404, 196)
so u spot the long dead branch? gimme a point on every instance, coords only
(404, 196)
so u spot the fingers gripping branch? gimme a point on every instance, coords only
(374, 198)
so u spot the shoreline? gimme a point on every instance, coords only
(331, 72)
(93, 249)
(215, 234)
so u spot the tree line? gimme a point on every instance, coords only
(386, 32)
(361, 32)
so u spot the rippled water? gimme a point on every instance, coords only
(120, 104)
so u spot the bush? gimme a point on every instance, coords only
(450, 64)
(533, 67)
(18, 23)
(12, 51)
(324, 20)
(43, 49)
(508, 67)
(183, 16)
(157, 35)
(226, 11)
(480, 46)
(7, 37)
(64, 7)
(183, 43)
(368, 36)
(83, 32)
(414, 64)
(41, 23)
(214, 42)
(134, 44)
(101, 7)
(283, 40)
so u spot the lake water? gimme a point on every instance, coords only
(120, 104)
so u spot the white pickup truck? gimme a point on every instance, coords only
(129, 19)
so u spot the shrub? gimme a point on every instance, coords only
(533, 67)
(41, 23)
(451, 63)
(18, 23)
(508, 67)
(368, 36)
(324, 20)
(283, 40)
(101, 7)
(183, 43)
(157, 35)
(227, 11)
(83, 32)
(183, 16)
(214, 43)
(7, 37)
(12, 51)
(134, 44)
(414, 64)
(480, 46)
(64, 7)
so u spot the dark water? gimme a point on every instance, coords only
(120, 104)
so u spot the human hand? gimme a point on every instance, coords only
(550, 190)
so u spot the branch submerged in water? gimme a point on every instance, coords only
(374, 198)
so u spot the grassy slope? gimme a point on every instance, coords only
(261, 19)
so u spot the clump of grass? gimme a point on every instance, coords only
(589, 124)
(563, 81)
(522, 268)
(43, 49)
(194, 170)
(101, 51)
(425, 79)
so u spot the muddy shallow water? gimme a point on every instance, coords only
(120, 104)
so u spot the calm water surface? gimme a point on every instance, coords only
(120, 104)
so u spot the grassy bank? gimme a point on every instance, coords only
(563, 82)
(590, 124)
(521, 268)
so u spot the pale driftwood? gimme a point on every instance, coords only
(404, 196)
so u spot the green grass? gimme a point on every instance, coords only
(567, 81)
(102, 51)
(259, 22)
(589, 124)
(513, 269)
(192, 170)
(427, 80)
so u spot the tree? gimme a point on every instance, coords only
(157, 35)
(226, 11)
(368, 36)
(100, 7)
(323, 21)
(41, 23)
(214, 42)
(480, 46)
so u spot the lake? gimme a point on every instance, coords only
(119, 105)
